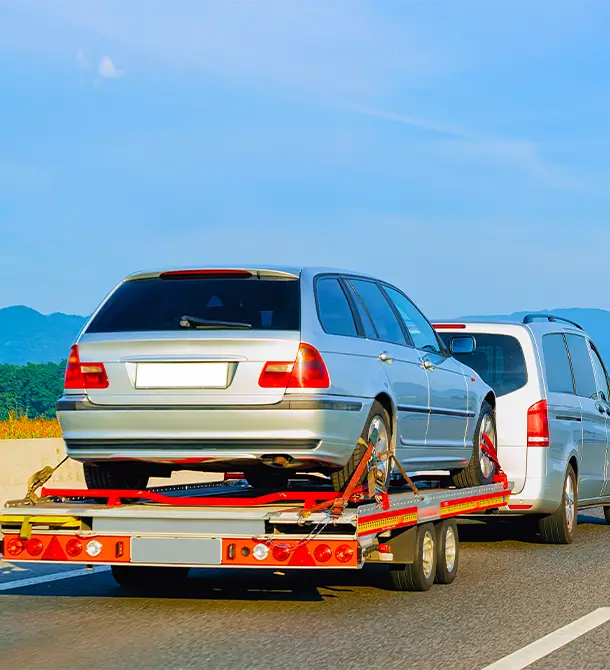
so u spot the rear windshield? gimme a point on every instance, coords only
(498, 359)
(160, 303)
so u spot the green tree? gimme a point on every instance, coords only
(30, 390)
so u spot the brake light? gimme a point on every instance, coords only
(74, 547)
(448, 326)
(84, 375)
(34, 547)
(209, 273)
(323, 553)
(307, 371)
(344, 553)
(13, 546)
(538, 425)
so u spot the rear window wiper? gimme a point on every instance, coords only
(197, 322)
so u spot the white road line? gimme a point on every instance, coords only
(56, 577)
(551, 642)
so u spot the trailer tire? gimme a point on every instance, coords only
(340, 478)
(559, 527)
(448, 551)
(112, 476)
(480, 469)
(419, 575)
(141, 577)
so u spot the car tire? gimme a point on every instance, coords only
(142, 577)
(607, 514)
(480, 469)
(112, 476)
(265, 477)
(378, 415)
(448, 551)
(559, 527)
(419, 575)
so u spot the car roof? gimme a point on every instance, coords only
(541, 327)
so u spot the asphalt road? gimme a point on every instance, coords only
(509, 593)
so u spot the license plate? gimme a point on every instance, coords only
(182, 375)
(172, 550)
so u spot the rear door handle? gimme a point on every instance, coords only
(385, 357)
(600, 408)
(427, 365)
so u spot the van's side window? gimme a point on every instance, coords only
(557, 364)
(582, 366)
(335, 313)
(600, 375)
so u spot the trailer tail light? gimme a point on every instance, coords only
(280, 552)
(74, 547)
(307, 371)
(323, 553)
(538, 425)
(34, 547)
(14, 546)
(344, 553)
(84, 375)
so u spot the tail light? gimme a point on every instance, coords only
(344, 553)
(13, 546)
(307, 371)
(34, 547)
(538, 425)
(323, 553)
(84, 375)
(280, 552)
(74, 547)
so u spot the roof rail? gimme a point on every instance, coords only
(528, 318)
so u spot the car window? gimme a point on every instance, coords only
(159, 303)
(334, 310)
(381, 313)
(365, 319)
(582, 366)
(557, 364)
(600, 375)
(421, 331)
(498, 360)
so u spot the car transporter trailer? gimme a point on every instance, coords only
(153, 537)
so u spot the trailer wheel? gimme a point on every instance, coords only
(448, 550)
(419, 575)
(113, 476)
(480, 470)
(559, 527)
(141, 577)
(379, 419)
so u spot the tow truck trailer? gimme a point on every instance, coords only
(153, 537)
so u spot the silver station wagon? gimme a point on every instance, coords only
(268, 371)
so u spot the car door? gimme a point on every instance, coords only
(603, 390)
(401, 362)
(449, 411)
(594, 431)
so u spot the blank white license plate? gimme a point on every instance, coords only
(182, 375)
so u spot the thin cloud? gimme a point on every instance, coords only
(82, 60)
(108, 70)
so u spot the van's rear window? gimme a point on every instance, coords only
(498, 359)
(160, 304)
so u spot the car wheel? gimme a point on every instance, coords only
(265, 477)
(142, 577)
(378, 419)
(559, 527)
(112, 476)
(480, 469)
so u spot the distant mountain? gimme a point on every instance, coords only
(595, 321)
(27, 336)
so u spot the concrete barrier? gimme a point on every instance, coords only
(19, 459)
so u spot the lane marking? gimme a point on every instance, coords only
(549, 643)
(58, 576)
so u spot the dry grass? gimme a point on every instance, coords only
(21, 428)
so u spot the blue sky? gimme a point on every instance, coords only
(458, 149)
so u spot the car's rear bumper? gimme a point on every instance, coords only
(311, 430)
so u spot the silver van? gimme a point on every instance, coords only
(553, 415)
(270, 371)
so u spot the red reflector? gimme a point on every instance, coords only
(210, 273)
(344, 553)
(448, 326)
(323, 553)
(384, 548)
(13, 547)
(520, 507)
(538, 425)
(54, 552)
(34, 547)
(307, 371)
(84, 375)
(280, 552)
(74, 548)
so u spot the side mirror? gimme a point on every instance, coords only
(464, 344)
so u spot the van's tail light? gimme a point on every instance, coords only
(84, 375)
(538, 425)
(307, 371)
